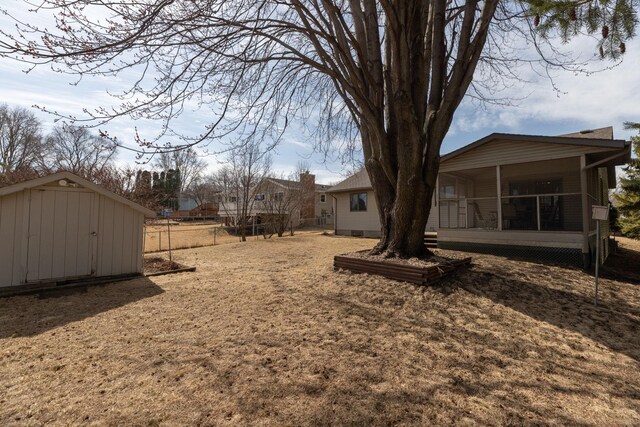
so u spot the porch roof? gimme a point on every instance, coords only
(602, 137)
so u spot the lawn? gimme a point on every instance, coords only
(266, 333)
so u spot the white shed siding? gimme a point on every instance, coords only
(11, 239)
(53, 233)
(509, 152)
(59, 233)
(120, 231)
(347, 221)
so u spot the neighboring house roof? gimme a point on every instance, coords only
(358, 181)
(79, 180)
(602, 133)
(286, 183)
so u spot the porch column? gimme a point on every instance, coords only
(499, 188)
(585, 204)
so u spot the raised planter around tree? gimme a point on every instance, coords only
(418, 274)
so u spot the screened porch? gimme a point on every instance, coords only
(540, 196)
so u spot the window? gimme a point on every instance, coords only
(259, 197)
(358, 202)
(323, 198)
(277, 197)
(233, 199)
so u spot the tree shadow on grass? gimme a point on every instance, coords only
(23, 316)
(614, 323)
(623, 264)
(455, 371)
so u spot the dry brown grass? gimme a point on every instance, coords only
(189, 235)
(183, 236)
(266, 333)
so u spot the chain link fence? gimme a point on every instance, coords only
(165, 235)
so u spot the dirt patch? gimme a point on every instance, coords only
(158, 264)
(266, 333)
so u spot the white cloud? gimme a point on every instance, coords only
(596, 100)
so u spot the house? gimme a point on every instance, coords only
(207, 210)
(62, 227)
(509, 194)
(309, 203)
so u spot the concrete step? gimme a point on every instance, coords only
(431, 239)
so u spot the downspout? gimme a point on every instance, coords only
(585, 212)
(335, 214)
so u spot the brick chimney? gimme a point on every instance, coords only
(308, 186)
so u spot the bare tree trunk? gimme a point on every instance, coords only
(403, 209)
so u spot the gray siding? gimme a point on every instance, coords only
(514, 238)
(509, 152)
(347, 221)
(432, 222)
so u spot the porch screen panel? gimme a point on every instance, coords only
(469, 199)
(542, 195)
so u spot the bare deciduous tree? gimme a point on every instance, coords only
(77, 150)
(187, 161)
(203, 190)
(20, 143)
(390, 74)
(247, 166)
(281, 200)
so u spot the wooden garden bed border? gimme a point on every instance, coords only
(397, 271)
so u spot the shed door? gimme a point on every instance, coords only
(59, 234)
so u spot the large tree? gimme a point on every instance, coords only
(628, 198)
(21, 146)
(387, 73)
(78, 150)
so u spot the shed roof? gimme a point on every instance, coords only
(77, 179)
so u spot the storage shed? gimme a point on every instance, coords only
(61, 228)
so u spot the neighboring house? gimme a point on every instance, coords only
(311, 207)
(62, 227)
(509, 194)
(207, 210)
(186, 202)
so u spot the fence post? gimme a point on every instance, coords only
(159, 240)
(169, 231)
(215, 231)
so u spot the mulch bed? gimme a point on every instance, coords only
(156, 265)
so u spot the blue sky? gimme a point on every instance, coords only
(584, 102)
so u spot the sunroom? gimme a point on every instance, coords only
(528, 198)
